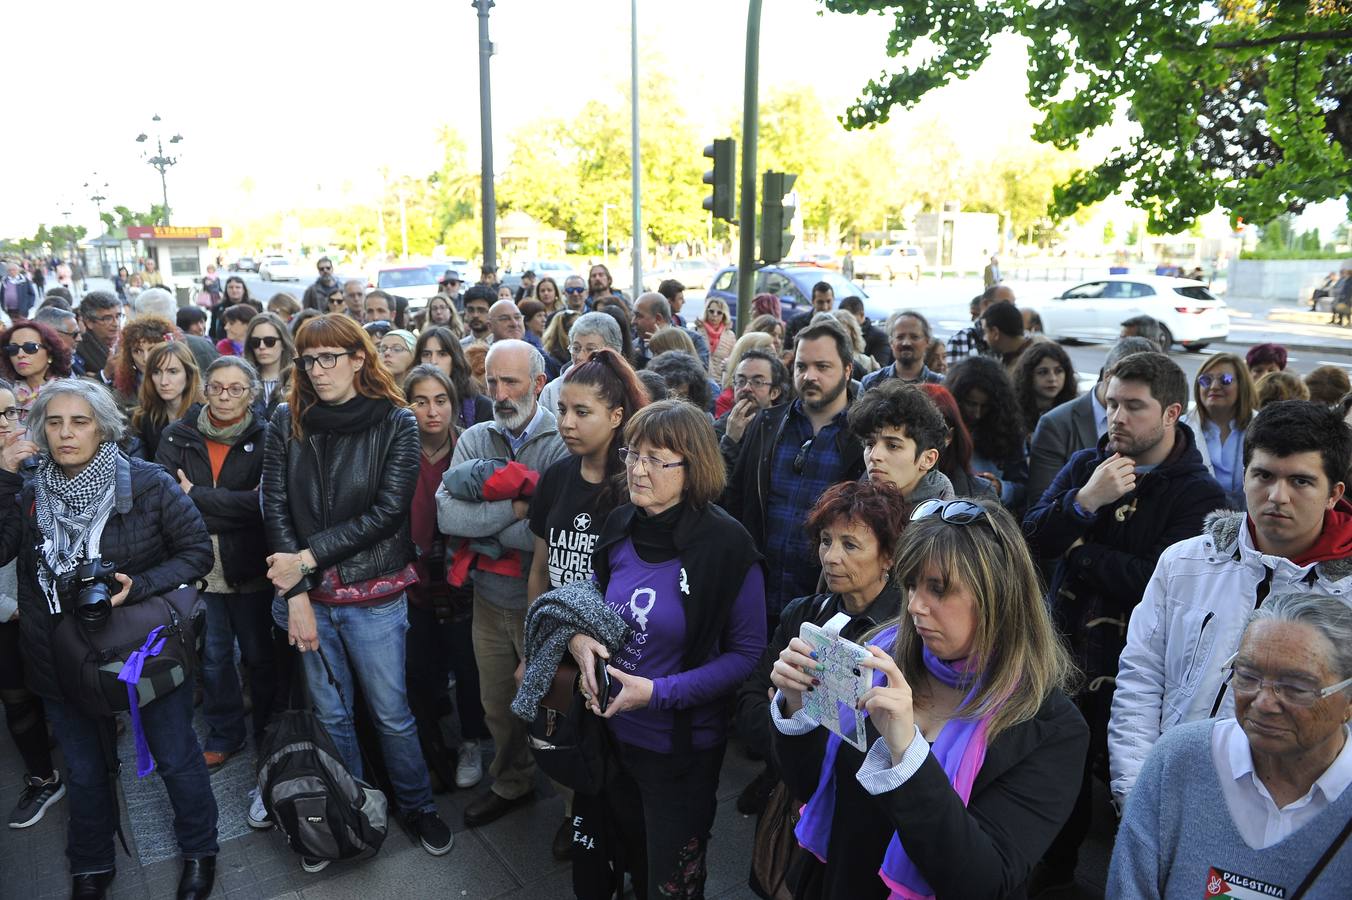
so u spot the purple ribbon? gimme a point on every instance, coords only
(131, 674)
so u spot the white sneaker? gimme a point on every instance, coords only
(469, 765)
(258, 813)
(311, 865)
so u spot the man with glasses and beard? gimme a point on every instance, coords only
(791, 454)
(317, 294)
(761, 381)
(1108, 515)
(575, 293)
(523, 431)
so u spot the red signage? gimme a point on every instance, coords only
(172, 232)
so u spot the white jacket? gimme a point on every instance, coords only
(1188, 623)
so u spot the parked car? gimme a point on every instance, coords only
(824, 260)
(278, 268)
(416, 284)
(890, 263)
(793, 286)
(244, 264)
(552, 268)
(1187, 311)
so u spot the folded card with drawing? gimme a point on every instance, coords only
(834, 702)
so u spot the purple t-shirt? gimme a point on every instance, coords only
(649, 596)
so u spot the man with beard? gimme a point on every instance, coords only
(1108, 515)
(317, 294)
(791, 454)
(600, 284)
(823, 300)
(909, 336)
(575, 294)
(478, 300)
(524, 431)
(760, 382)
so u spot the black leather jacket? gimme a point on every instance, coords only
(344, 496)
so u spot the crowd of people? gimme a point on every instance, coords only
(398, 516)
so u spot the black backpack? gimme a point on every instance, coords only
(322, 808)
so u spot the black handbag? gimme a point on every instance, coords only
(88, 663)
(570, 742)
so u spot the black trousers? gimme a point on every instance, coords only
(23, 709)
(657, 815)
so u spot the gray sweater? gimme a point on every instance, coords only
(1177, 835)
(494, 518)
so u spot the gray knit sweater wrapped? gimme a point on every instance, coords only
(551, 622)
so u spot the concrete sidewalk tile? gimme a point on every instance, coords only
(729, 854)
(558, 883)
(469, 871)
(521, 839)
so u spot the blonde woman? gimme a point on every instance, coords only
(1226, 399)
(715, 323)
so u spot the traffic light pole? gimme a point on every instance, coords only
(490, 203)
(746, 260)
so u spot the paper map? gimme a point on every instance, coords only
(833, 703)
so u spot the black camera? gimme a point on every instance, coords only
(87, 592)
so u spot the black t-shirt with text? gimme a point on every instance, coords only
(564, 513)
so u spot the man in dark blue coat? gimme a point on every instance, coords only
(1108, 515)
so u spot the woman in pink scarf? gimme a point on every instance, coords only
(975, 753)
(714, 323)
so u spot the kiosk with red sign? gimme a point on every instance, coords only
(181, 252)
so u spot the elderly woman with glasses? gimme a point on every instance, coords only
(975, 751)
(1225, 399)
(687, 580)
(1259, 801)
(87, 500)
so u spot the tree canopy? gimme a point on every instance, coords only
(1245, 104)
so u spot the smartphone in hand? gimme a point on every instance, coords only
(602, 684)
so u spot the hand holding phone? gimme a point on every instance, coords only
(602, 684)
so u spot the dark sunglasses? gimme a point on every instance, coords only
(269, 342)
(575, 290)
(326, 269)
(1206, 381)
(29, 347)
(800, 460)
(954, 512)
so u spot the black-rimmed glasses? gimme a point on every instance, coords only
(325, 360)
(954, 512)
(269, 342)
(234, 390)
(14, 413)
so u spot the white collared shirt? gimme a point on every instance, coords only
(1100, 412)
(1255, 814)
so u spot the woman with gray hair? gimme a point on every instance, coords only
(1259, 801)
(215, 452)
(85, 502)
(591, 332)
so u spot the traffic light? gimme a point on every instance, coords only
(722, 202)
(776, 216)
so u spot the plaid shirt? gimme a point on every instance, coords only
(792, 568)
(965, 343)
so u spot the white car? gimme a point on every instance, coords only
(1187, 311)
(546, 268)
(278, 268)
(890, 263)
(416, 284)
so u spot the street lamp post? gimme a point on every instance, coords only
(97, 197)
(159, 161)
(490, 203)
(634, 160)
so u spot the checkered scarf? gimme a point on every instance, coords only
(71, 513)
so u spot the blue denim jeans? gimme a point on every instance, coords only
(89, 789)
(246, 618)
(367, 643)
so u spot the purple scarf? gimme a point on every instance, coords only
(130, 675)
(960, 750)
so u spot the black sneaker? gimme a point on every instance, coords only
(37, 795)
(436, 838)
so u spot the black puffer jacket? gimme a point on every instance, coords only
(154, 534)
(344, 496)
(230, 508)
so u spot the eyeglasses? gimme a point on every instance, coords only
(28, 347)
(14, 413)
(234, 390)
(954, 512)
(401, 347)
(1207, 381)
(575, 290)
(108, 319)
(338, 300)
(325, 269)
(631, 459)
(800, 461)
(578, 349)
(1250, 683)
(510, 318)
(757, 383)
(325, 360)
(269, 342)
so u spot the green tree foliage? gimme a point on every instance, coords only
(1242, 103)
(121, 217)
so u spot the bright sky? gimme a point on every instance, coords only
(301, 103)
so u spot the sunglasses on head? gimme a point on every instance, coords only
(1206, 381)
(269, 342)
(28, 347)
(800, 461)
(954, 512)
